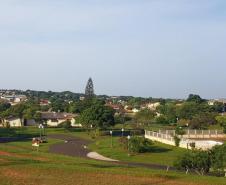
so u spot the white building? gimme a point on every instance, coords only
(12, 122)
(54, 119)
(153, 106)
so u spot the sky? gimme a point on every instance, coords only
(149, 48)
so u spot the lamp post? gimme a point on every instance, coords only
(111, 133)
(128, 137)
(40, 130)
(122, 132)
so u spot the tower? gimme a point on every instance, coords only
(89, 91)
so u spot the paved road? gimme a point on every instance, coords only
(75, 147)
(72, 146)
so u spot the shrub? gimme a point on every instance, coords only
(177, 140)
(218, 156)
(197, 161)
(139, 145)
(66, 124)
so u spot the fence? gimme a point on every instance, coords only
(197, 134)
(184, 143)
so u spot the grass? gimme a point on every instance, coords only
(161, 153)
(19, 164)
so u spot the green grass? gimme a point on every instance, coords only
(161, 153)
(32, 167)
(20, 164)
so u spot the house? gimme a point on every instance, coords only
(135, 110)
(44, 102)
(12, 122)
(81, 98)
(128, 109)
(116, 107)
(153, 106)
(54, 119)
(14, 99)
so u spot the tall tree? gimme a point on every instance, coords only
(89, 91)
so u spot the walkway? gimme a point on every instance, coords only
(77, 147)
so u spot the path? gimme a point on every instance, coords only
(72, 146)
(77, 147)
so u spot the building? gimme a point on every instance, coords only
(153, 106)
(14, 99)
(11, 122)
(54, 119)
(44, 102)
(135, 110)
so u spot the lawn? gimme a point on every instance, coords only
(19, 164)
(161, 153)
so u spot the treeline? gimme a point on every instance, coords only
(195, 113)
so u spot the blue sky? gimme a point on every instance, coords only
(156, 48)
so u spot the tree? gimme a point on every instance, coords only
(80, 106)
(4, 106)
(169, 111)
(203, 121)
(139, 145)
(98, 115)
(222, 121)
(195, 98)
(89, 91)
(187, 110)
(16, 110)
(161, 120)
(218, 156)
(145, 116)
(198, 161)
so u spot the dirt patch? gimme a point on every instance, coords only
(11, 173)
(26, 156)
(57, 178)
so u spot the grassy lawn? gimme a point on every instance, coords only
(19, 164)
(162, 154)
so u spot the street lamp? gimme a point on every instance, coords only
(40, 130)
(111, 133)
(128, 137)
(122, 131)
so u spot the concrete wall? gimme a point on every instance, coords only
(185, 143)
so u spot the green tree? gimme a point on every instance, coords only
(145, 116)
(4, 106)
(139, 145)
(161, 120)
(169, 111)
(218, 156)
(98, 115)
(198, 161)
(195, 98)
(222, 121)
(203, 121)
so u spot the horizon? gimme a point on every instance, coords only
(133, 48)
(83, 93)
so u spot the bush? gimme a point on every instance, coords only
(177, 141)
(197, 161)
(66, 124)
(218, 156)
(139, 145)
